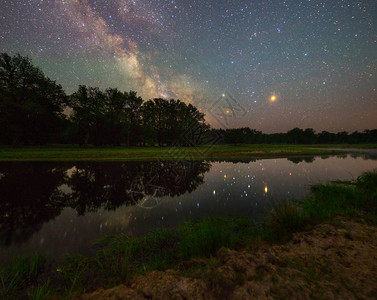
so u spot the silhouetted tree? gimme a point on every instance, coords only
(89, 113)
(171, 121)
(342, 137)
(133, 117)
(326, 137)
(31, 104)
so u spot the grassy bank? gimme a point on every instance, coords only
(347, 146)
(118, 259)
(218, 152)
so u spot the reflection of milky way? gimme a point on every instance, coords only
(317, 58)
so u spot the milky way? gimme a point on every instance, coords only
(317, 60)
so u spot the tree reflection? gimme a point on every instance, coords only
(34, 193)
(29, 197)
(297, 160)
(110, 185)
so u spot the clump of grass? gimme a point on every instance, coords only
(325, 202)
(205, 237)
(285, 219)
(328, 200)
(41, 292)
(367, 183)
(359, 199)
(20, 274)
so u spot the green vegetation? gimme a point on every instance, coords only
(346, 146)
(22, 272)
(119, 258)
(218, 152)
(351, 199)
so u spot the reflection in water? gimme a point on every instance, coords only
(110, 185)
(29, 197)
(297, 160)
(34, 193)
(58, 208)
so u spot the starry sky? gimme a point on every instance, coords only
(284, 63)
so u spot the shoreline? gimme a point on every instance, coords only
(329, 261)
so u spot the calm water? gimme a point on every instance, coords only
(60, 208)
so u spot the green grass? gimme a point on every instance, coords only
(345, 146)
(123, 257)
(42, 292)
(219, 152)
(119, 258)
(22, 272)
(351, 199)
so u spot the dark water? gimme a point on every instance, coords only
(60, 208)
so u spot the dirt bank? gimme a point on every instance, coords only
(331, 261)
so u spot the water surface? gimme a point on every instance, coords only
(61, 208)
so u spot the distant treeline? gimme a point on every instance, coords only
(35, 110)
(294, 136)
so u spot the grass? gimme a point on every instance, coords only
(22, 272)
(119, 258)
(123, 257)
(41, 292)
(219, 152)
(358, 146)
(351, 199)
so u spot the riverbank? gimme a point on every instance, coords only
(216, 152)
(339, 218)
(331, 261)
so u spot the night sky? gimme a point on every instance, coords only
(317, 58)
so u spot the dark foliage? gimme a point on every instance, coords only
(31, 104)
(295, 136)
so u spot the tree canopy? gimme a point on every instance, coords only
(31, 104)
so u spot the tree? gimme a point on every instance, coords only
(108, 117)
(133, 113)
(295, 136)
(89, 113)
(115, 116)
(154, 118)
(326, 137)
(172, 121)
(309, 136)
(31, 104)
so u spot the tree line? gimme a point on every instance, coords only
(295, 136)
(35, 110)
